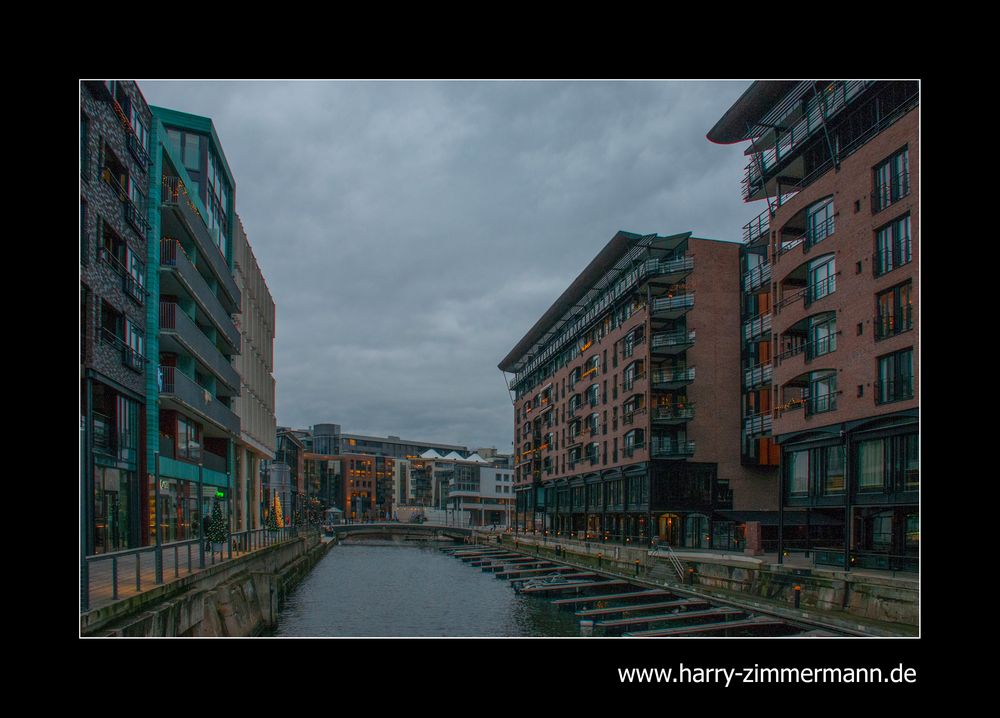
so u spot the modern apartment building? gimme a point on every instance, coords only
(255, 364)
(831, 336)
(193, 428)
(626, 412)
(285, 475)
(328, 439)
(473, 486)
(115, 173)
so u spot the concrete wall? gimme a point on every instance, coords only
(240, 597)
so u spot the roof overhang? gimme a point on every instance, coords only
(736, 125)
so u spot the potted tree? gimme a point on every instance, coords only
(217, 529)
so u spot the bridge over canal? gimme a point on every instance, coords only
(396, 531)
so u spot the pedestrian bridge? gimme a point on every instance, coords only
(399, 531)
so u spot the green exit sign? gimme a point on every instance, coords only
(220, 493)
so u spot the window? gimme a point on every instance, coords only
(832, 470)
(894, 311)
(593, 394)
(188, 439)
(871, 466)
(84, 146)
(798, 473)
(895, 377)
(892, 246)
(892, 180)
(822, 335)
(822, 393)
(819, 221)
(822, 278)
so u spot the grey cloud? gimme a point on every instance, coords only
(412, 232)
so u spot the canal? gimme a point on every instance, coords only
(381, 588)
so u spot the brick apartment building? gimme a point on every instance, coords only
(830, 306)
(626, 412)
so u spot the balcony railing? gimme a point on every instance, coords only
(758, 374)
(175, 196)
(629, 451)
(182, 388)
(817, 233)
(756, 326)
(896, 390)
(821, 109)
(139, 152)
(887, 194)
(818, 290)
(656, 267)
(667, 340)
(131, 359)
(676, 305)
(756, 277)
(821, 403)
(671, 449)
(673, 414)
(172, 255)
(757, 227)
(891, 324)
(677, 375)
(757, 424)
(173, 320)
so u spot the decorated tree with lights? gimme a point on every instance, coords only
(276, 512)
(217, 529)
(272, 524)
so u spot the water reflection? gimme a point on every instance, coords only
(382, 588)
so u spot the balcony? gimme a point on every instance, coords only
(663, 379)
(182, 389)
(181, 215)
(670, 270)
(810, 238)
(823, 288)
(672, 342)
(672, 414)
(131, 359)
(757, 424)
(130, 285)
(629, 451)
(132, 215)
(178, 331)
(757, 375)
(798, 127)
(671, 449)
(672, 307)
(757, 228)
(175, 261)
(757, 277)
(756, 326)
(138, 152)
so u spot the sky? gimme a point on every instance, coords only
(412, 232)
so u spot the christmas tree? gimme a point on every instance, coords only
(276, 512)
(272, 524)
(217, 529)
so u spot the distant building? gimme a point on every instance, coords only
(481, 489)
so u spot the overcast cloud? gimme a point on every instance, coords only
(412, 232)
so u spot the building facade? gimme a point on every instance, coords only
(832, 269)
(115, 171)
(255, 364)
(626, 417)
(192, 429)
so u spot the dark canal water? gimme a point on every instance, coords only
(380, 588)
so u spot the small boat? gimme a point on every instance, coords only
(547, 581)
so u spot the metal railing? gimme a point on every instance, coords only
(818, 290)
(894, 390)
(821, 403)
(758, 374)
(758, 423)
(756, 277)
(757, 227)
(893, 323)
(680, 301)
(671, 339)
(669, 376)
(817, 233)
(757, 326)
(103, 579)
(673, 413)
(671, 448)
(897, 188)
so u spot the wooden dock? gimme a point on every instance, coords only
(709, 627)
(628, 608)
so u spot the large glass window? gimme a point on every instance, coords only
(894, 309)
(910, 455)
(191, 152)
(798, 473)
(822, 278)
(833, 478)
(822, 393)
(892, 180)
(892, 246)
(895, 377)
(819, 221)
(822, 335)
(871, 466)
